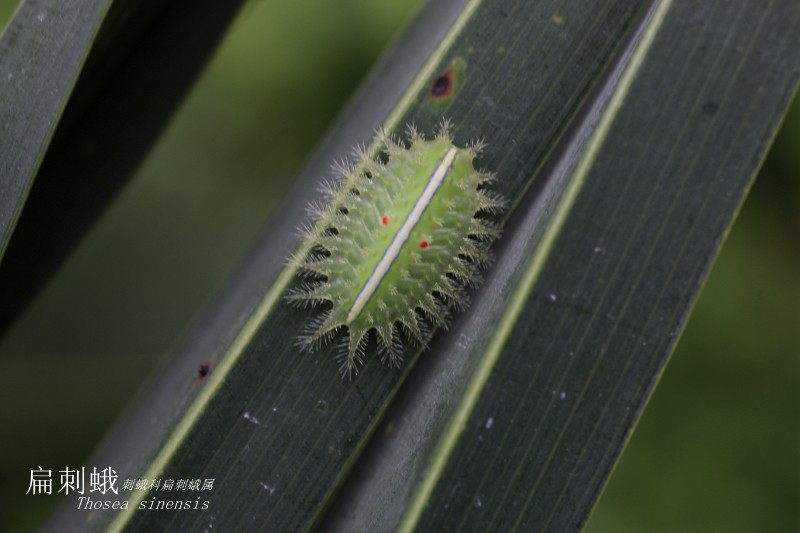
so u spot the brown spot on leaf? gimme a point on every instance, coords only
(203, 371)
(444, 86)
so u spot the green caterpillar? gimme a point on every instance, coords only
(396, 243)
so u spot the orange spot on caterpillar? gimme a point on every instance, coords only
(385, 220)
(424, 244)
(444, 86)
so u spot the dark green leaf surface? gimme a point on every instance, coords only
(626, 136)
(115, 72)
(604, 314)
(41, 52)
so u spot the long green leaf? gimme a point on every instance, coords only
(534, 437)
(41, 51)
(84, 94)
(627, 135)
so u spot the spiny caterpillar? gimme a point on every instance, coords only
(396, 242)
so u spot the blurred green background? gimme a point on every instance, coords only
(717, 449)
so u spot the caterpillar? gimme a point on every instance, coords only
(396, 244)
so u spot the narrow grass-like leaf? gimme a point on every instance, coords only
(83, 94)
(41, 52)
(556, 391)
(626, 134)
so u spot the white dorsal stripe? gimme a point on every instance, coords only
(403, 234)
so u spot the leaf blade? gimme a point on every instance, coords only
(115, 72)
(40, 52)
(265, 455)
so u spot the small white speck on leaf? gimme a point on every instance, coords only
(489, 423)
(551, 297)
(251, 418)
(266, 487)
(40, 16)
